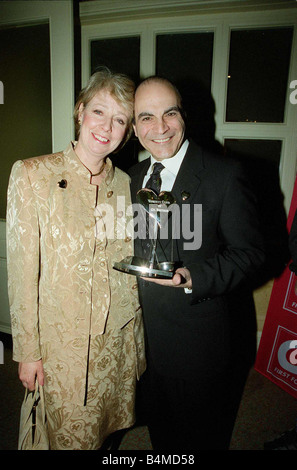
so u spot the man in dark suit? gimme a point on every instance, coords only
(200, 325)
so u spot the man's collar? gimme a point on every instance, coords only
(173, 164)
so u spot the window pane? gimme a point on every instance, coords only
(118, 54)
(269, 150)
(258, 75)
(185, 56)
(186, 59)
(261, 160)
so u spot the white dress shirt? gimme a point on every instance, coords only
(172, 166)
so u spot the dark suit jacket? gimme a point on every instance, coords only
(206, 331)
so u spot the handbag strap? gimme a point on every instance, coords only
(42, 403)
(38, 393)
(35, 391)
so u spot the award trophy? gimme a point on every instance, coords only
(154, 206)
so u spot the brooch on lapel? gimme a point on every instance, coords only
(185, 195)
(62, 184)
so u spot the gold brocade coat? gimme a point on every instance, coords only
(62, 241)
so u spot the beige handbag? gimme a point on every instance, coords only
(33, 433)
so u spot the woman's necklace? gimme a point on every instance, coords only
(99, 172)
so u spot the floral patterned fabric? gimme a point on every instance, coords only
(68, 305)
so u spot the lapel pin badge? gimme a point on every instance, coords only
(62, 184)
(185, 195)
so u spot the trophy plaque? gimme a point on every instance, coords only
(154, 206)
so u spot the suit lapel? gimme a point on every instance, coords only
(137, 184)
(189, 175)
(137, 180)
(187, 183)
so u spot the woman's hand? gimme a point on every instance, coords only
(28, 371)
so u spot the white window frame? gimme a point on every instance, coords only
(59, 15)
(97, 26)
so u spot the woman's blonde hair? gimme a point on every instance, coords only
(121, 88)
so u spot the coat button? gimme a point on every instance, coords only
(128, 239)
(110, 193)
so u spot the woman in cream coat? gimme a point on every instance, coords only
(76, 322)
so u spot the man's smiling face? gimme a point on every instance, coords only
(159, 125)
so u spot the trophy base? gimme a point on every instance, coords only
(140, 267)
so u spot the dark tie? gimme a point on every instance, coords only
(154, 182)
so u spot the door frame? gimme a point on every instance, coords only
(59, 15)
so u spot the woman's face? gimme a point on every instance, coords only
(104, 122)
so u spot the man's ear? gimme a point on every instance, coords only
(134, 128)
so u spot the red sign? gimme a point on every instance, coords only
(277, 354)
